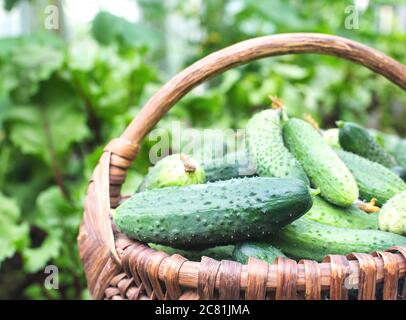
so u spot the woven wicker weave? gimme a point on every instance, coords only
(120, 268)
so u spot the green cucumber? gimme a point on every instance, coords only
(223, 212)
(306, 239)
(358, 140)
(218, 253)
(400, 153)
(392, 216)
(232, 165)
(174, 170)
(259, 250)
(264, 142)
(324, 168)
(373, 179)
(351, 217)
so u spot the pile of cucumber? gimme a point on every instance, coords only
(302, 197)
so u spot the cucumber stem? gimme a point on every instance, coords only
(340, 124)
(188, 165)
(276, 103)
(312, 121)
(284, 116)
(368, 207)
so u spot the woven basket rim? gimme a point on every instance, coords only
(116, 266)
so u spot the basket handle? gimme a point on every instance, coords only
(253, 49)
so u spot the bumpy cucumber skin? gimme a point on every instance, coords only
(306, 239)
(171, 171)
(358, 140)
(392, 216)
(351, 217)
(259, 250)
(264, 142)
(400, 153)
(233, 165)
(218, 253)
(223, 212)
(324, 168)
(373, 179)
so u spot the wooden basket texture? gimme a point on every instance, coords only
(121, 268)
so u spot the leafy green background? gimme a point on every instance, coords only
(62, 101)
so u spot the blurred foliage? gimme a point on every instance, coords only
(61, 102)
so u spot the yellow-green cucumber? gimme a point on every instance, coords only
(174, 170)
(392, 216)
(323, 166)
(266, 149)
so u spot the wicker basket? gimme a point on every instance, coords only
(120, 268)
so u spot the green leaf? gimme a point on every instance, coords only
(290, 71)
(58, 218)
(36, 259)
(109, 29)
(85, 62)
(26, 64)
(54, 211)
(56, 125)
(13, 234)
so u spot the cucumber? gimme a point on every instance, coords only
(223, 212)
(358, 140)
(324, 168)
(259, 250)
(306, 239)
(385, 140)
(174, 170)
(233, 165)
(264, 142)
(218, 253)
(351, 217)
(400, 153)
(373, 179)
(392, 216)
(331, 137)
